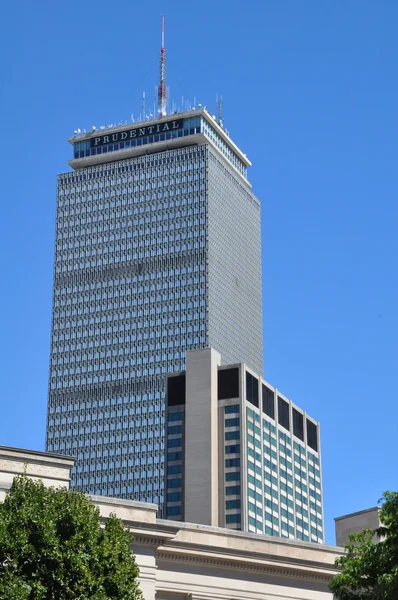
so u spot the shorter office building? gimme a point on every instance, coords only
(355, 523)
(184, 561)
(239, 454)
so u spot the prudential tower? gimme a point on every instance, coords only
(157, 252)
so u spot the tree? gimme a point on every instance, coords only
(370, 569)
(52, 547)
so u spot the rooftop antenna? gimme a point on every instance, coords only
(143, 107)
(219, 112)
(162, 93)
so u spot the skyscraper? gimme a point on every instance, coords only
(239, 454)
(157, 252)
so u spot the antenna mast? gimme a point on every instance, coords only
(162, 94)
(219, 107)
(143, 107)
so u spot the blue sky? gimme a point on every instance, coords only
(310, 94)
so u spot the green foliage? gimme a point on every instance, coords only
(369, 569)
(53, 548)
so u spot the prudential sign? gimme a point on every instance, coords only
(131, 134)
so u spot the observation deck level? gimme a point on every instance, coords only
(157, 135)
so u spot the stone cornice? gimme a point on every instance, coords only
(147, 534)
(245, 555)
(263, 567)
(147, 540)
(245, 535)
(36, 457)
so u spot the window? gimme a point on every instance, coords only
(176, 390)
(174, 483)
(174, 497)
(283, 413)
(173, 510)
(174, 456)
(228, 383)
(232, 422)
(234, 476)
(173, 469)
(234, 408)
(232, 435)
(312, 435)
(232, 504)
(233, 490)
(298, 424)
(175, 443)
(232, 519)
(251, 389)
(235, 448)
(173, 429)
(232, 462)
(177, 416)
(268, 402)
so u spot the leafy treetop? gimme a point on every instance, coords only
(52, 547)
(370, 569)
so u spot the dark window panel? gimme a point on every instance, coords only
(312, 435)
(251, 389)
(268, 402)
(228, 383)
(298, 424)
(176, 390)
(283, 413)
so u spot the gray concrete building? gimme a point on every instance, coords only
(239, 453)
(157, 252)
(184, 561)
(355, 523)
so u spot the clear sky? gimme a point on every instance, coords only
(310, 94)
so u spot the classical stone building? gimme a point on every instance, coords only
(182, 561)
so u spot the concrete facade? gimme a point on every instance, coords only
(52, 469)
(239, 454)
(355, 523)
(201, 438)
(182, 561)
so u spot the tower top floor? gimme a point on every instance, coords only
(157, 135)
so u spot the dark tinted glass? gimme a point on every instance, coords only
(176, 390)
(312, 435)
(228, 383)
(268, 402)
(283, 413)
(298, 424)
(252, 389)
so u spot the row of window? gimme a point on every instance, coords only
(268, 398)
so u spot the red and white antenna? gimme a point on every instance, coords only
(162, 93)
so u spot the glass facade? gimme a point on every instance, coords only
(134, 289)
(284, 481)
(174, 464)
(232, 484)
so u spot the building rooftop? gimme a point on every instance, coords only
(37, 455)
(359, 512)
